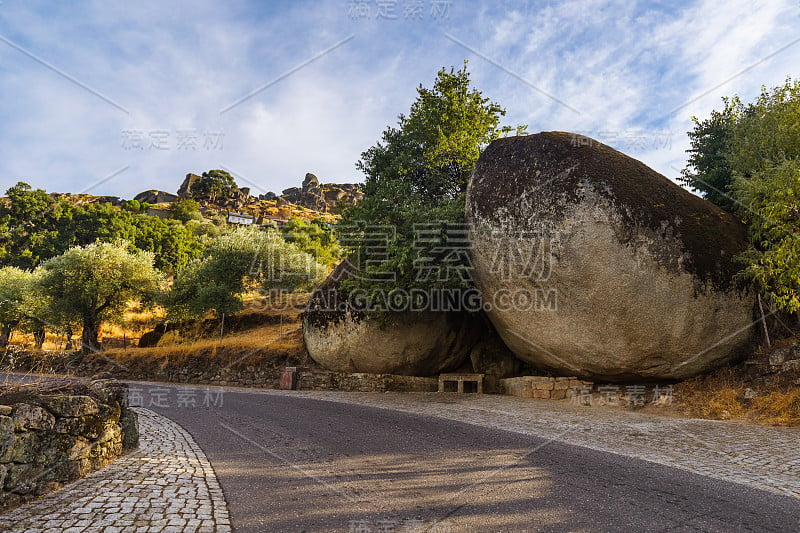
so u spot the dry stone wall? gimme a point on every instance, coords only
(50, 438)
(543, 387)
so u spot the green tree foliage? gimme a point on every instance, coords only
(184, 210)
(215, 184)
(96, 282)
(236, 263)
(418, 172)
(708, 170)
(39, 312)
(30, 224)
(134, 206)
(315, 237)
(35, 226)
(15, 284)
(773, 260)
(748, 159)
(767, 131)
(173, 244)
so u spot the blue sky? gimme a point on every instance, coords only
(114, 98)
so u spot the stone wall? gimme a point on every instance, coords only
(51, 435)
(209, 371)
(543, 387)
(361, 382)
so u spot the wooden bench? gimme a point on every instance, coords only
(460, 379)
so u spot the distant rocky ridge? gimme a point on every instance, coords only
(312, 200)
(86, 199)
(326, 198)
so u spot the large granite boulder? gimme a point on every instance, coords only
(404, 343)
(592, 264)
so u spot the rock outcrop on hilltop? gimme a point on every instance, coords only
(154, 196)
(598, 266)
(312, 201)
(326, 198)
(185, 190)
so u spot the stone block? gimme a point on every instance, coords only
(22, 479)
(541, 394)
(111, 431)
(559, 394)
(27, 416)
(6, 437)
(67, 447)
(70, 406)
(28, 447)
(75, 469)
(129, 423)
(544, 386)
(561, 384)
(90, 426)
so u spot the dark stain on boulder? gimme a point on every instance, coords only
(565, 163)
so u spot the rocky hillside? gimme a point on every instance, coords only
(311, 200)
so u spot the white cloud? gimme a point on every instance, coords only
(176, 65)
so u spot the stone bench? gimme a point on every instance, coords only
(460, 379)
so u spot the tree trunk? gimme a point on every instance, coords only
(69, 347)
(89, 342)
(38, 337)
(5, 334)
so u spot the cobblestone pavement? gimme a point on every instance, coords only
(763, 457)
(167, 485)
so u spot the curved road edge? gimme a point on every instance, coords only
(167, 483)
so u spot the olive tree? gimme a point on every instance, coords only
(14, 286)
(95, 282)
(238, 262)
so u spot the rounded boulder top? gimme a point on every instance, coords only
(616, 272)
(528, 177)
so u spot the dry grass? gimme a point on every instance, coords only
(781, 408)
(257, 344)
(246, 348)
(719, 395)
(728, 394)
(269, 333)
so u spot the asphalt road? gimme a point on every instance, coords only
(293, 464)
